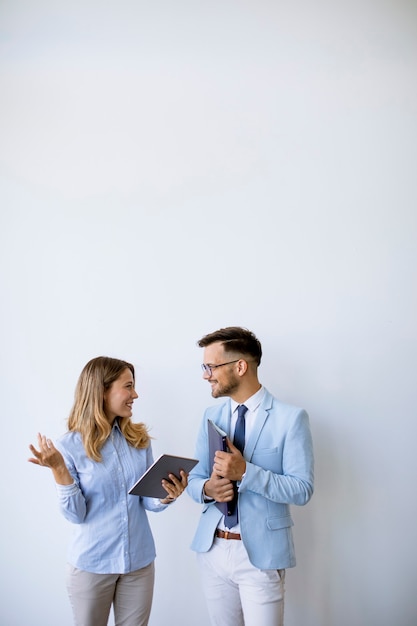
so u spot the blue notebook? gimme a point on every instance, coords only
(217, 441)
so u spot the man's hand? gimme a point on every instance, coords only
(218, 488)
(231, 464)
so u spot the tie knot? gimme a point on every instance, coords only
(241, 410)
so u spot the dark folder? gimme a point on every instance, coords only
(150, 483)
(217, 441)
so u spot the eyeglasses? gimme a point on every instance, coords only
(208, 369)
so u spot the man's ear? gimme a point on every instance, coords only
(242, 367)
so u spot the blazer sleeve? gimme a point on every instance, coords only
(285, 473)
(201, 472)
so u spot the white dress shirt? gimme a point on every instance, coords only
(252, 404)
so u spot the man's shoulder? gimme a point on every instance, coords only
(217, 409)
(271, 402)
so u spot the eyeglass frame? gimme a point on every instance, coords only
(208, 369)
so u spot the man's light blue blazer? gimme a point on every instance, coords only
(279, 472)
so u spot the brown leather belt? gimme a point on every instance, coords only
(226, 535)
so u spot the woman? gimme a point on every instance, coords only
(111, 555)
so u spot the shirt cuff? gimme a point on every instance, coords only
(206, 499)
(239, 482)
(67, 490)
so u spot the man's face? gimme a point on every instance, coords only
(224, 380)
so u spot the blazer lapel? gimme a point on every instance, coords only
(225, 418)
(261, 418)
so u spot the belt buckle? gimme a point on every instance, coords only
(226, 534)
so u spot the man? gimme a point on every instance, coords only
(243, 560)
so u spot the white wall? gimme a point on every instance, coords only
(170, 167)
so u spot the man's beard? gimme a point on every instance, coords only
(227, 389)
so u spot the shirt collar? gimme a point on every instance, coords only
(251, 403)
(116, 425)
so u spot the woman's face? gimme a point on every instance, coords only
(119, 397)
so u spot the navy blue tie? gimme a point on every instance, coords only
(239, 441)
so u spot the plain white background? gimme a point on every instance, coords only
(171, 167)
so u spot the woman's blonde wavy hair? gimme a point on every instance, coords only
(87, 415)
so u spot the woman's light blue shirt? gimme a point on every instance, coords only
(111, 533)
